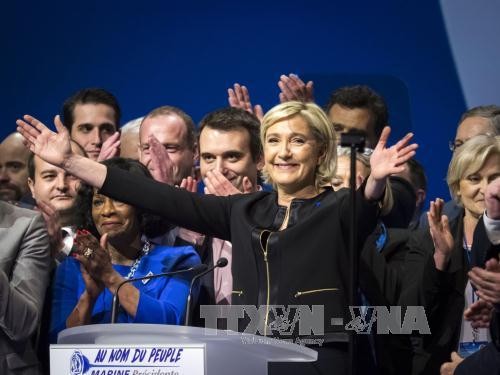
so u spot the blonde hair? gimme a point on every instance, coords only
(321, 128)
(470, 158)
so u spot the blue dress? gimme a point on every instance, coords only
(161, 301)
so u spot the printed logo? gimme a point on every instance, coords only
(79, 364)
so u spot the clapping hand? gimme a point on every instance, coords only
(448, 368)
(53, 224)
(93, 255)
(293, 88)
(162, 168)
(487, 281)
(217, 184)
(190, 184)
(479, 314)
(442, 238)
(110, 147)
(492, 199)
(239, 97)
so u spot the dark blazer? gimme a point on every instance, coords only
(24, 271)
(441, 293)
(487, 360)
(306, 264)
(403, 207)
(381, 271)
(380, 275)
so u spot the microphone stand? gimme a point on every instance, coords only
(116, 300)
(356, 142)
(221, 263)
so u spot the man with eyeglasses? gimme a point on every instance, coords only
(477, 120)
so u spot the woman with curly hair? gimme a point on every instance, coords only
(85, 283)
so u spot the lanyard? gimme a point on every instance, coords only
(468, 251)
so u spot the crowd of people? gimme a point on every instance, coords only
(99, 204)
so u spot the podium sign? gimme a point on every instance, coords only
(160, 359)
(208, 351)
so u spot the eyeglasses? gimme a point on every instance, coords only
(453, 145)
(367, 151)
(144, 147)
(458, 142)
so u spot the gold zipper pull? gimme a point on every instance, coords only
(285, 220)
(298, 294)
(237, 292)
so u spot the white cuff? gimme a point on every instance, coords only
(492, 227)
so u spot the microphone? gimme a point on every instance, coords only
(199, 268)
(221, 263)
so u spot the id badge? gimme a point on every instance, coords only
(465, 349)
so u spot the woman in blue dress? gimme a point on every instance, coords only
(85, 284)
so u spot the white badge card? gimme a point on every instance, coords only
(161, 359)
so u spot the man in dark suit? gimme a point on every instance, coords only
(24, 271)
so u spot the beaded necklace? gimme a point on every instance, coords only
(145, 250)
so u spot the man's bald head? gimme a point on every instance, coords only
(13, 168)
(129, 139)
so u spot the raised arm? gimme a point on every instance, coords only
(55, 148)
(206, 214)
(386, 161)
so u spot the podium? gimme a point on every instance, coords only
(225, 352)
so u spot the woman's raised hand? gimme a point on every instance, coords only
(390, 160)
(386, 161)
(54, 148)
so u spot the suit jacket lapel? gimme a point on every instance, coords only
(458, 262)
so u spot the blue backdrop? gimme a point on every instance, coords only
(187, 54)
